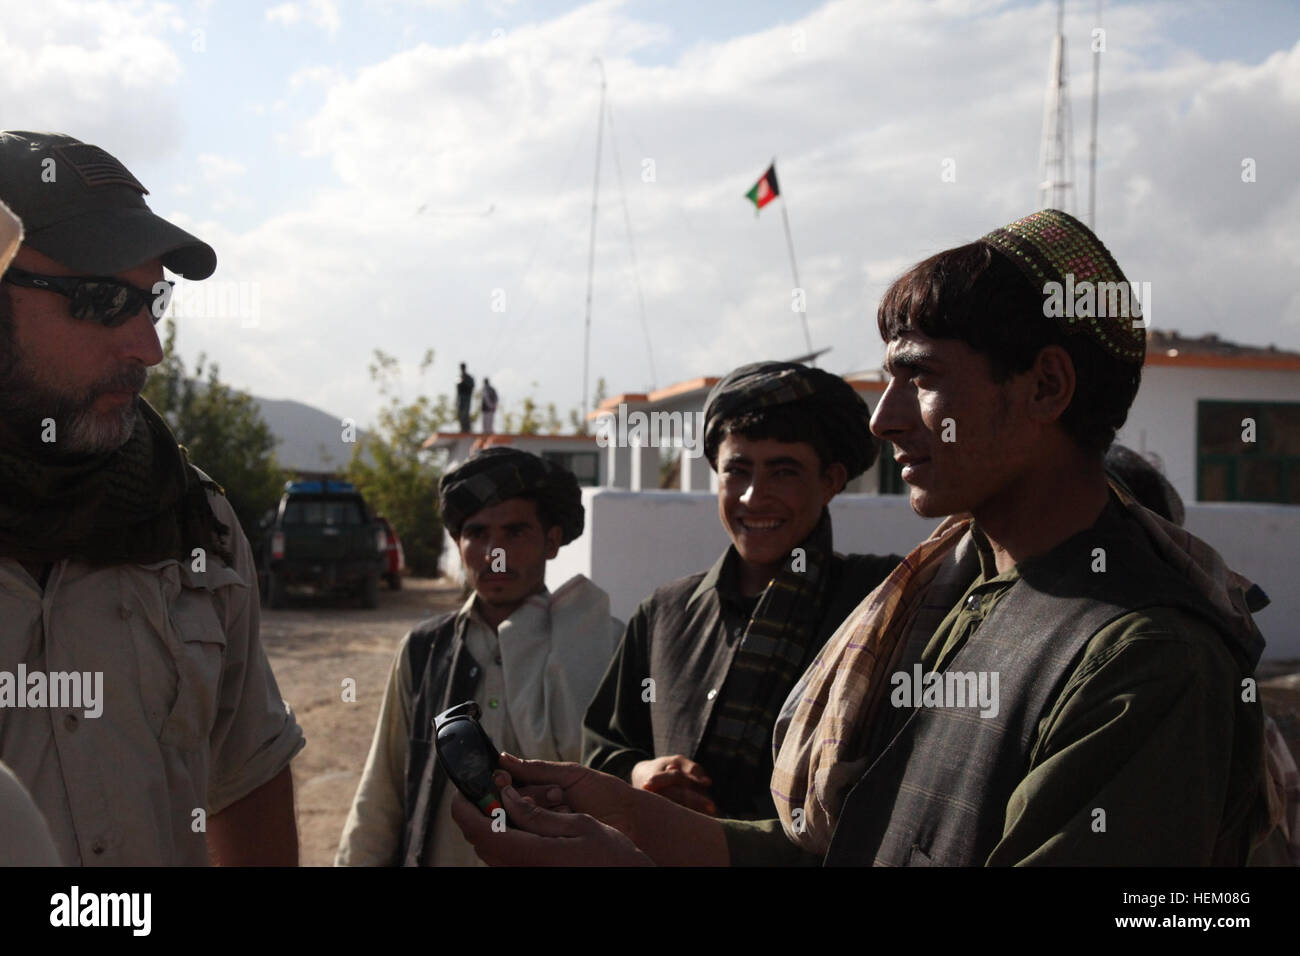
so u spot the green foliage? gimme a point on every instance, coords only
(579, 426)
(222, 429)
(396, 475)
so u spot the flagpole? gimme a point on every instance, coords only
(794, 269)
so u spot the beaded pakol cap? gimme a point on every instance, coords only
(1053, 246)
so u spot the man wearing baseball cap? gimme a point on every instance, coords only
(137, 705)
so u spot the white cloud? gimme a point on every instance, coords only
(219, 169)
(102, 71)
(861, 114)
(319, 13)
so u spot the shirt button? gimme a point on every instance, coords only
(493, 703)
(123, 612)
(98, 848)
(972, 603)
(712, 693)
(70, 721)
(473, 672)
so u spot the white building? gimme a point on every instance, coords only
(1191, 416)
(1194, 415)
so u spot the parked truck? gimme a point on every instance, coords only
(323, 539)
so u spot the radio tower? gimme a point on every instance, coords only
(1056, 155)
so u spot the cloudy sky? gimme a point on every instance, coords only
(407, 174)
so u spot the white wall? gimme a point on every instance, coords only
(635, 542)
(1163, 416)
(1260, 542)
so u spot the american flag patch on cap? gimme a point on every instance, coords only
(97, 168)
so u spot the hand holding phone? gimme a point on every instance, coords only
(467, 755)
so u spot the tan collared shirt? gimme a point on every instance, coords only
(191, 718)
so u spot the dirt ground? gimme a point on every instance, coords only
(313, 646)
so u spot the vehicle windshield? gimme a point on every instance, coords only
(329, 513)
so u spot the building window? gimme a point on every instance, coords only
(585, 465)
(1248, 451)
(891, 476)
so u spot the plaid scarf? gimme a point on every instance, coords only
(141, 503)
(820, 754)
(771, 655)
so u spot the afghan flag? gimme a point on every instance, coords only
(765, 190)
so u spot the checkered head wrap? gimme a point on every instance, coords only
(497, 474)
(1049, 246)
(844, 416)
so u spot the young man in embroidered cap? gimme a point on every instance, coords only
(723, 647)
(531, 658)
(1121, 730)
(102, 522)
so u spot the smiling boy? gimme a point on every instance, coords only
(722, 648)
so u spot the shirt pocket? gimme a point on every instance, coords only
(195, 640)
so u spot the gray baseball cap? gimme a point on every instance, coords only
(82, 207)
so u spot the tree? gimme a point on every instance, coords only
(400, 479)
(222, 429)
(575, 417)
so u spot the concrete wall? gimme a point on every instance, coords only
(635, 542)
(1163, 416)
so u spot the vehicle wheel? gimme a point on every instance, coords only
(370, 592)
(274, 591)
(394, 582)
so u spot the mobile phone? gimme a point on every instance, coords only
(467, 755)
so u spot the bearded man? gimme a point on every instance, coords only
(124, 574)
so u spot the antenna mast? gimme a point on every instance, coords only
(1092, 145)
(591, 252)
(1056, 155)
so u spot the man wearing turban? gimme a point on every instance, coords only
(1124, 727)
(531, 658)
(721, 649)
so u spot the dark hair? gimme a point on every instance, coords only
(974, 294)
(788, 423)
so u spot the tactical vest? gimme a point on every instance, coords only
(937, 793)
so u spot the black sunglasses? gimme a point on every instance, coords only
(110, 302)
